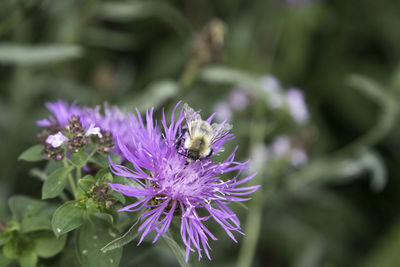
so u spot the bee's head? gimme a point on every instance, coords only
(194, 155)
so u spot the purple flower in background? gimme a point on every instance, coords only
(281, 146)
(223, 111)
(297, 105)
(114, 121)
(171, 186)
(260, 155)
(62, 112)
(238, 100)
(93, 121)
(298, 157)
(274, 91)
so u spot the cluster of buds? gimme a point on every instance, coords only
(56, 153)
(106, 141)
(77, 140)
(101, 194)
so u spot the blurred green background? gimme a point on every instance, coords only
(339, 209)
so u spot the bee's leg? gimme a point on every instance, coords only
(180, 139)
(178, 143)
(210, 154)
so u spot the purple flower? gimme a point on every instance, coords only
(274, 91)
(281, 146)
(297, 105)
(238, 100)
(62, 112)
(298, 157)
(223, 111)
(56, 140)
(113, 120)
(93, 121)
(284, 147)
(93, 131)
(171, 186)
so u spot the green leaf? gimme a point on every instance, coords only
(68, 217)
(90, 238)
(176, 249)
(10, 249)
(134, 10)
(227, 75)
(47, 245)
(102, 159)
(52, 165)
(38, 173)
(4, 261)
(127, 181)
(374, 163)
(36, 223)
(119, 196)
(128, 237)
(22, 206)
(86, 182)
(155, 95)
(13, 53)
(104, 216)
(68, 258)
(34, 153)
(91, 206)
(56, 182)
(28, 259)
(4, 238)
(386, 251)
(103, 174)
(79, 159)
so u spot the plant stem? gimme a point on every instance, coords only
(78, 173)
(189, 74)
(71, 180)
(253, 224)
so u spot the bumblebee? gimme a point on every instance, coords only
(199, 135)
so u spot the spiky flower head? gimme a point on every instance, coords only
(170, 185)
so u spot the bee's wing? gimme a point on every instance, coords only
(220, 130)
(190, 115)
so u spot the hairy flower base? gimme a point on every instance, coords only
(171, 186)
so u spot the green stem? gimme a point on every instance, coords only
(253, 224)
(78, 173)
(71, 180)
(92, 153)
(189, 74)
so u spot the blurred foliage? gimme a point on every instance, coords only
(335, 211)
